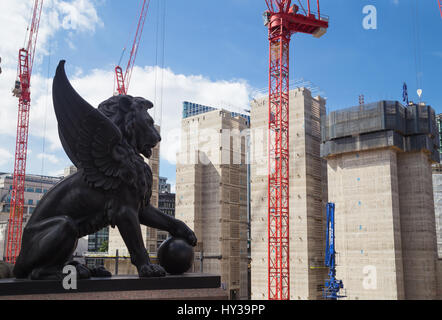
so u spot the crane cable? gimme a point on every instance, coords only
(46, 111)
(163, 61)
(158, 101)
(156, 59)
(417, 48)
(46, 108)
(129, 37)
(26, 37)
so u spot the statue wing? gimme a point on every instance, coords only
(89, 138)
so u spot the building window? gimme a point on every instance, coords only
(30, 201)
(38, 190)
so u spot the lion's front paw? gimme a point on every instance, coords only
(151, 271)
(184, 232)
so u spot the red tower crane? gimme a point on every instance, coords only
(123, 81)
(440, 7)
(22, 90)
(282, 19)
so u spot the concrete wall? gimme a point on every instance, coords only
(385, 226)
(437, 194)
(212, 194)
(364, 187)
(308, 197)
(381, 181)
(439, 279)
(418, 230)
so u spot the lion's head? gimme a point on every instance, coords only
(131, 117)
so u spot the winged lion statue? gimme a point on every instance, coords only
(113, 184)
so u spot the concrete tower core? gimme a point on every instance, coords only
(308, 197)
(379, 160)
(211, 192)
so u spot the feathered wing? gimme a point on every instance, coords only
(89, 138)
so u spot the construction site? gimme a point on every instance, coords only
(290, 198)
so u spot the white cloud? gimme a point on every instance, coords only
(97, 85)
(5, 156)
(78, 15)
(56, 173)
(70, 15)
(49, 157)
(233, 95)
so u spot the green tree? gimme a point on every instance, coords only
(104, 246)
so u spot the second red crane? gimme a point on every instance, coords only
(123, 80)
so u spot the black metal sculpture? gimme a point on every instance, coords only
(113, 185)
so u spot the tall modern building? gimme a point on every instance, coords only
(166, 204)
(379, 159)
(99, 241)
(211, 191)
(308, 197)
(163, 186)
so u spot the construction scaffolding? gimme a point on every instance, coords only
(379, 125)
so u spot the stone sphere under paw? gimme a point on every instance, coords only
(175, 256)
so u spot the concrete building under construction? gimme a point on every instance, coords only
(379, 159)
(437, 190)
(308, 196)
(211, 192)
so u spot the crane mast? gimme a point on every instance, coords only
(440, 7)
(22, 90)
(282, 19)
(123, 81)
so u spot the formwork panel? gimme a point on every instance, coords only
(364, 188)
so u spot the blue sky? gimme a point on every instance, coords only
(226, 41)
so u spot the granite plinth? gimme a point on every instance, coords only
(187, 286)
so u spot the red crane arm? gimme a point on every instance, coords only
(124, 81)
(440, 7)
(22, 91)
(278, 6)
(33, 32)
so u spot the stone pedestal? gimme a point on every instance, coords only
(184, 287)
